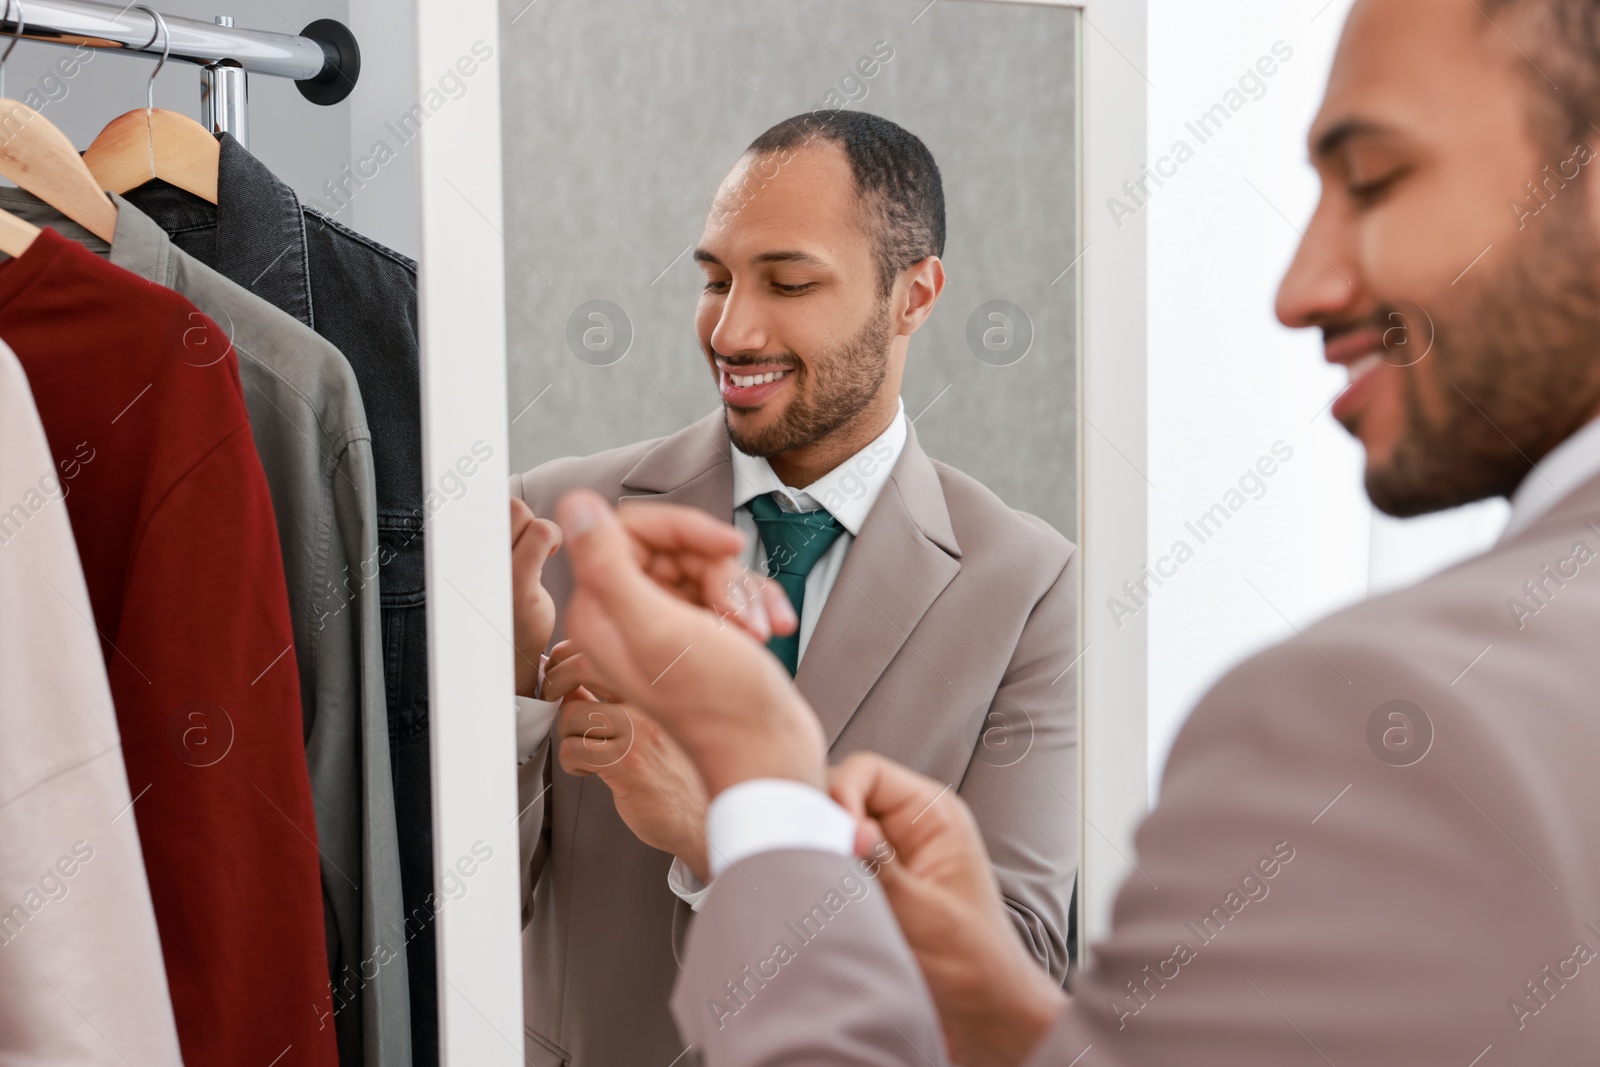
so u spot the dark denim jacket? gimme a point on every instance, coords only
(362, 297)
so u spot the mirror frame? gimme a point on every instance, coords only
(464, 400)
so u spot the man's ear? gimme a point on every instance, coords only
(923, 282)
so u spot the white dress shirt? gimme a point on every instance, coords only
(1570, 464)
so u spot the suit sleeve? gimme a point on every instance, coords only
(1300, 899)
(795, 959)
(1024, 771)
(534, 773)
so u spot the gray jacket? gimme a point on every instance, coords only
(311, 433)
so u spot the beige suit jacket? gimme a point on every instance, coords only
(1330, 877)
(945, 644)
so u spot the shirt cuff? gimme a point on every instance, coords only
(534, 719)
(769, 814)
(684, 885)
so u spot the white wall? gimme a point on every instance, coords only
(1227, 382)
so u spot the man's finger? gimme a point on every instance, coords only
(579, 717)
(678, 530)
(603, 561)
(576, 671)
(869, 786)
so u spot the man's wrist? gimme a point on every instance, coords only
(1013, 1008)
(786, 743)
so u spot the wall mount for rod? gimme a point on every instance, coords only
(341, 67)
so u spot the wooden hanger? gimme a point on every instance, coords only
(39, 158)
(15, 234)
(155, 143)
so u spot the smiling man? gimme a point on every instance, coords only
(1376, 843)
(935, 624)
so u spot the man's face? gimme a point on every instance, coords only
(791, 295)
(1470, 325)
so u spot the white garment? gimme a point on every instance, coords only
(1570, 464)
(764, 814)
(81, 973)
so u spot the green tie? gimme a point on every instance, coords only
(794, 541)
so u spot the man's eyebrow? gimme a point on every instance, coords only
(789, 255)
(1337, 136)
(780, 255)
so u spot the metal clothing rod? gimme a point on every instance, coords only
(323, 59)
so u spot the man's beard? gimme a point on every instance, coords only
(842, 382)
(1515, 371)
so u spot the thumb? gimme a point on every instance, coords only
(601, 553)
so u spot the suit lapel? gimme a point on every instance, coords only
(691, 467)
(903, 558)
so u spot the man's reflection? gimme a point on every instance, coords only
(936, 625)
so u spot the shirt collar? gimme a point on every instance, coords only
(1570, 464)
(257, 226)
(847, 492)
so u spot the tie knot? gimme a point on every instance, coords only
(794, 540)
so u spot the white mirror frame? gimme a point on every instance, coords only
(462, 322)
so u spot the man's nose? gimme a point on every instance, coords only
(1320, 282)
(741, 327)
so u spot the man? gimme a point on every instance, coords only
(936, 624)
(1375, 843)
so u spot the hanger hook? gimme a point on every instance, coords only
(166, 48)
(15, 37)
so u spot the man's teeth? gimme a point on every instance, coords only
(1364, 366)
(744, 381)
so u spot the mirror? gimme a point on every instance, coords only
(938, 622)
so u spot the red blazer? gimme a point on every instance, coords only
(140, 398)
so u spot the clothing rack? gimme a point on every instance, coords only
(323, 58)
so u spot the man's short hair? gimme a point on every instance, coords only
(1560, 39)
(895, 178)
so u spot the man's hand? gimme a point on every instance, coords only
(657, 791)
(713, 688)
(693, 556)
(533, 613)
(995, 1003)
